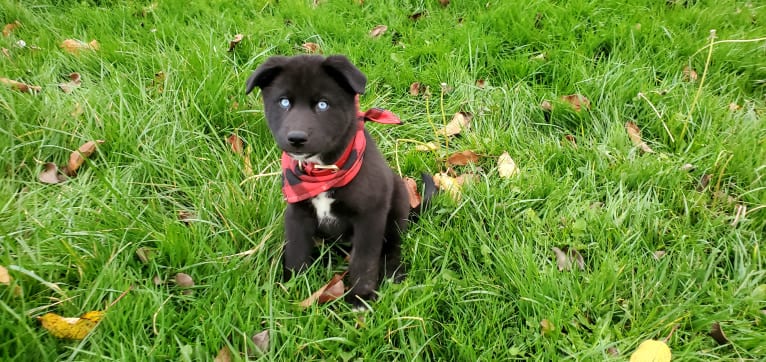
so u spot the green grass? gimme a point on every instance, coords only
(482, 273)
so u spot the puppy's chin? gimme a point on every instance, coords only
(306, 157)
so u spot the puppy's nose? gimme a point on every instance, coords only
(297, 138)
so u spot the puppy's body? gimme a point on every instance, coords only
(310, 106)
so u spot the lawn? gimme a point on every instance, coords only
(670, 231)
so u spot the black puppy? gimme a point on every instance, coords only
(335, 179)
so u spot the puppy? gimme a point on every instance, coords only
(335, 180)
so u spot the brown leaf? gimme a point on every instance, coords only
(237, 145)
(74, 82)
(412, 191)
(417, 15)
(311, 48)
(704, 181)
(462, 158)
(74, 46)
(481, 83)
(51, 175)
(571, 140)
(378, 31)
(186, 216)
(261, 341)
(224, 355)
(506, 166)
(546, 327)
(9, 28)
(332, 290)
(546, 105)
(444, 2)
(717, 333)
(233, 43)
(5, 278)
(613, 352)
(658, 254)
(415, 88)
(564, 258)
(21, 87)
(634, 133)
(184, 280)
(689, 74)
(157, 280)
(77, 158)
(577, 101)
(459, 122)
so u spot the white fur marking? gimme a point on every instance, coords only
(322, 204)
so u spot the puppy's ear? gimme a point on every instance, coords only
(265, 73)
(345, 73)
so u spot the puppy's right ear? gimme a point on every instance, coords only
(265, 73)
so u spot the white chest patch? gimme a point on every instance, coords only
(322, 204)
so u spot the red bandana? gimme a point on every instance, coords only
(304, 180)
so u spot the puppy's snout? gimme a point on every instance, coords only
(297, 138)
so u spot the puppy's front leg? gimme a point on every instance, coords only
(300, 227)
(366, 244)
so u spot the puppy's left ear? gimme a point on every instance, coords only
(347, 75)
(265, 73)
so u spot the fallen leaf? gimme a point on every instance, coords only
(506, 167)
(459, 122)
(571, 140)
(658, 254)
(156, 280)
(261, 341)
(689, 74)
(415, 89)
(462, 158)
(9, 28)
(186, 216)
(224, 355)
(334, 289)
(717, 333)
(417, 15)
(21, 87)
(444, 2)
(311, 48)
(546, 327)
(77, 157)
(613, 352)
(233, 43)
(412, 191)
(74, 46)
(184, 280)
(7, 53)
(144, 254)
(688, 167)
(237, 145)
(378, 31)
(704, 181)
(734, 107)
(651, 351)
(481, 83)
(540, 57)
(739, 212)
(564, 258)
(74, 82)
(546, 105)
(51, 174)
(427, 147)
(5, 278)
(71, 328)
(577, 101)
(449, 184)
(634, 133)
(466, 178)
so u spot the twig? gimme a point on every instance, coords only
(154, 317)
(118, 298)
(702, 83)
(642, 96)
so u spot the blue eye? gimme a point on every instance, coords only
(322, 105)
(284, 103)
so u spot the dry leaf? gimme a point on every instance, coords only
(9, 28)
(427, 147)
(74, 46)
(734, 107)
(688, 167)
(77, 158)
(564, 258)
(156, 280)
(71, 328)
(334, 289)
(462, 158)
(634, 133)
(233, 43)
(7, 53)
(144, 254)
(261, 341)
(739, 212)
(506, 167)
(613, 352)
(651, 351)
(224, 355)
(546, 106)
(689, 74)
(378, 31)
(704, 181)
(577, 101)
(311, 48)
(21, 87)
(570, 139)
(481, 83)
(449, 184)
(74, 82)
(459, 122)
(412, 191)
(237, 145)
(658, 254)
(546, 327)
(184, 280)
(416, 16)
(717, 333)
(186, 216)
(5, 278)
(444, 2)
(415, 88)
(51, 174)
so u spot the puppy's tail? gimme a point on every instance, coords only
(429, 190)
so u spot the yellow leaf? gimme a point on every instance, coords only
(71, 328)
(448, 183)
(634, 133)
(74, 46)
(459, 122)
(5, 278)
(427, 147)
(506, 167)
(651, 351)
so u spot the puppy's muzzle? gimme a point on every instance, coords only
(297, 138)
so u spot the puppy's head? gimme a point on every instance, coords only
(309, 103)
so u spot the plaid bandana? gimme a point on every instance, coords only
(304, 180)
